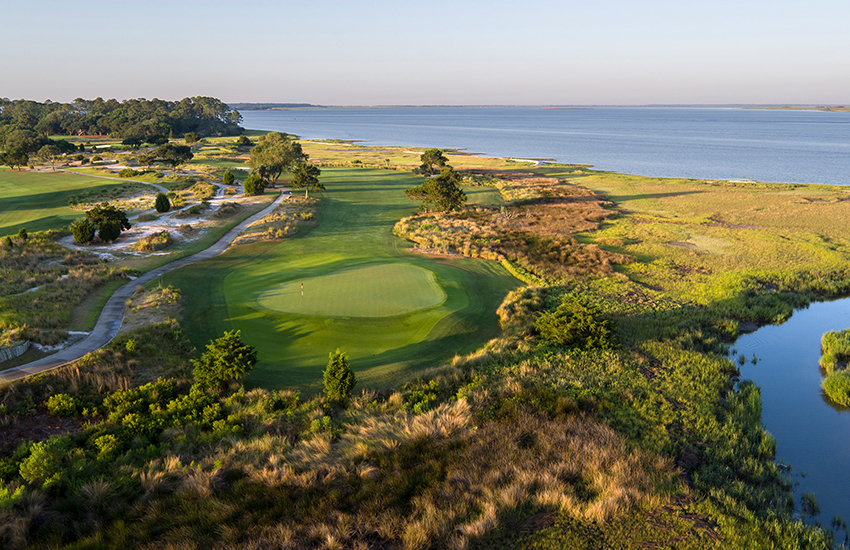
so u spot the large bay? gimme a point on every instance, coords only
(707, 143)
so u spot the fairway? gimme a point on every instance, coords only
(39, 201)
(392, 311)
(372, 291)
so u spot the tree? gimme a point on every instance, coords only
(162, 204)
(227, 178)
(83, 230)
(49, 153)
(226, 360)
(339, 378)
(22, 234)
(440, 193)
(243, 141)
(278, 152)
(306, 176)
(108, 220)
(431, 158)
(14, 157)
(132, 142)
(168, 154)
(254, 184)
(191, 137)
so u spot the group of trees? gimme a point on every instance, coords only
(106, 220)
(132, 118)
(275, 153)
(169, 154)
(442, 192)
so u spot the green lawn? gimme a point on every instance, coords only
(391, 310)
(39, 200)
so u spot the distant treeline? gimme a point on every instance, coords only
(271, 106)
(28, 120)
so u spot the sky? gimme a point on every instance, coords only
(329, 52)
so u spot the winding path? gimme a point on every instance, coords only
(113, 312)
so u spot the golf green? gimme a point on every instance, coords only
(373, 291)
(393, 311)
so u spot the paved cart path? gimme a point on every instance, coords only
(113, 312)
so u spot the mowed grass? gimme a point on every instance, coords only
(447, 305)
(38, 201)
(382, 290)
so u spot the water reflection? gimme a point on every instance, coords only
(812, 433)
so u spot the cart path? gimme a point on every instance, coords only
(113, 312)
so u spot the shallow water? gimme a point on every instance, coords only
(708, 143)
(812, 435)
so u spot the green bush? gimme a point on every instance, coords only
(226, 360)
(7, 241)
(45, 465)
(62, 404)
(837, 387)
(22, 234)
(228, 178)
(575, 323)
(108, 447)
(126, 173)
(339, 379)
(162, 204)
(109, 230)
(83, 230)
(254, 185)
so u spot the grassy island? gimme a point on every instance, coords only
(546, 367)
(835, 348)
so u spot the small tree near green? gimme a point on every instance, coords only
(7, 242)
(254, 184)
(227, 178)
(306, 176)
(191, 137)
(441, 193)
(83, 230)
(226, 360)
(22, 234)
(162, 204)
(339, 378)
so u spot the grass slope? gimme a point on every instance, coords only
(354, 234)
(39, 201)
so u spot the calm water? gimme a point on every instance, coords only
(710, 143)
(812, 435)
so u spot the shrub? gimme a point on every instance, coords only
(126, 173)
(7, 241)
(44, 466)
(83, 230)
(162, 204)
(108, 447)
(338, 377)
(226, 360)
(96, 158)
(62, 404)
(254, 185)
(109, 230)
(242, 141)
(22, 234)
(574, 324)
(228, 178)
(837, 387)
(191, 137)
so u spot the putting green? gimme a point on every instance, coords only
(392, 311)
(383, 290)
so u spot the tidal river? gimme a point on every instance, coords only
(812, 434)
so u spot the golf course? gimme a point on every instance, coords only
(347, 283)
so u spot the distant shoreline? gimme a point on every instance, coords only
(303, 106)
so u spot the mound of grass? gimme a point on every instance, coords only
(835, 350)
(837, 387)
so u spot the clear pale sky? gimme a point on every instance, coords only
(437, 52)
